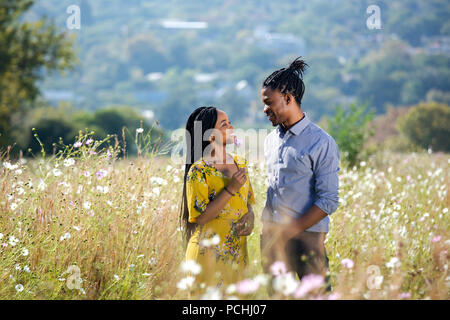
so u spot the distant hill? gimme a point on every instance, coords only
(169, 57)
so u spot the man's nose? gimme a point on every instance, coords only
(266, 108)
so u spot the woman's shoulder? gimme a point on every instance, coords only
(198, 165)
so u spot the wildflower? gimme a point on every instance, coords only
(65, 236)
(19, 287)
(103, 190)
(13, 240)
(57, 172)
(1, 235)
(116, 277)
(17, 267)
(191, 266)
(158, 180)
(76, 228)
(285, 283)
(101, 173)
(212, 293)
(404, 295)
(25, 252)
(69, 162)
(262, 279)
(77, 144)
(347, 263)
(278, 268)
(13, 206)
(394, 262)
(89, 141)
(185, 283)
(92, 152)
(436, 239)
(87, 205)
(26, 269)
(231, 289)
(309, 283)
(139, 130)
(247, 286)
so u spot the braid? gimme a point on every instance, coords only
(289, 79)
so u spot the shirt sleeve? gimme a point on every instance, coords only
(196, 192)
(326, 168)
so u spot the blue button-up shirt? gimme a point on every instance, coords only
(303, 166)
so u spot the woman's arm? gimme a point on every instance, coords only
(215, 206)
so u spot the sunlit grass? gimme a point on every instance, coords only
(117, 221)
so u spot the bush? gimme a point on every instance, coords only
(350, 129)
(427, 125)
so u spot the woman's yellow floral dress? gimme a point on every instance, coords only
(221, 262)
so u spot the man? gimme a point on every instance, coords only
(303, 166)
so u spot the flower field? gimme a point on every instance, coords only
(87, 225)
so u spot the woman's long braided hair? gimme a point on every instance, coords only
(208, 118)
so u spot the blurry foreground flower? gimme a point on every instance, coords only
(247, 286)
(191, 266)
(278, 268)
(308, 283)
(19, 287)
(185, 283)
(285, 284)
(347, 263)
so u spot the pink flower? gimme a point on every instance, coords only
(347, 263)
(92, 152)
(4, 244)
(278, 268)
(404, 295)
(77, 144)
(89, 141)
(101, 173)
(109, 154)
(334, 296)
(436, 239)
(308, 283)
(247, 286)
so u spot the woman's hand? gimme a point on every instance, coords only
(246, 224)
(237, 180)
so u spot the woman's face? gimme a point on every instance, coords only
(225, 129)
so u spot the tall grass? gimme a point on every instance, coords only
(116, 220)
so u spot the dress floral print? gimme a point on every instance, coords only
(203, 183)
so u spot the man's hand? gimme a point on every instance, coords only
(246, 223)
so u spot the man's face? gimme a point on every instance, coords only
(275, 106)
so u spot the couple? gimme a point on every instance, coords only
(303, 164)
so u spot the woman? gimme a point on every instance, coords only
(217, 197)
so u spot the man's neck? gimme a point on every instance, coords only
(286, 126)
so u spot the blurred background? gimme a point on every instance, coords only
(149, 64)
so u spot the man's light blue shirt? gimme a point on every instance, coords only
(303, 166)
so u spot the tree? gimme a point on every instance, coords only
(427, 125)
(26, 50)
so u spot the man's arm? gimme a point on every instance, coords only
(325, 168)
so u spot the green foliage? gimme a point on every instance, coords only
(26, 50)
(427, 125)
(350, 130)
(50, 127)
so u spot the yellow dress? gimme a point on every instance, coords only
(221, 262)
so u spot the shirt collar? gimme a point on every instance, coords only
(297, 128)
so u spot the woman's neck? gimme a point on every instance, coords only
(218, 155)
